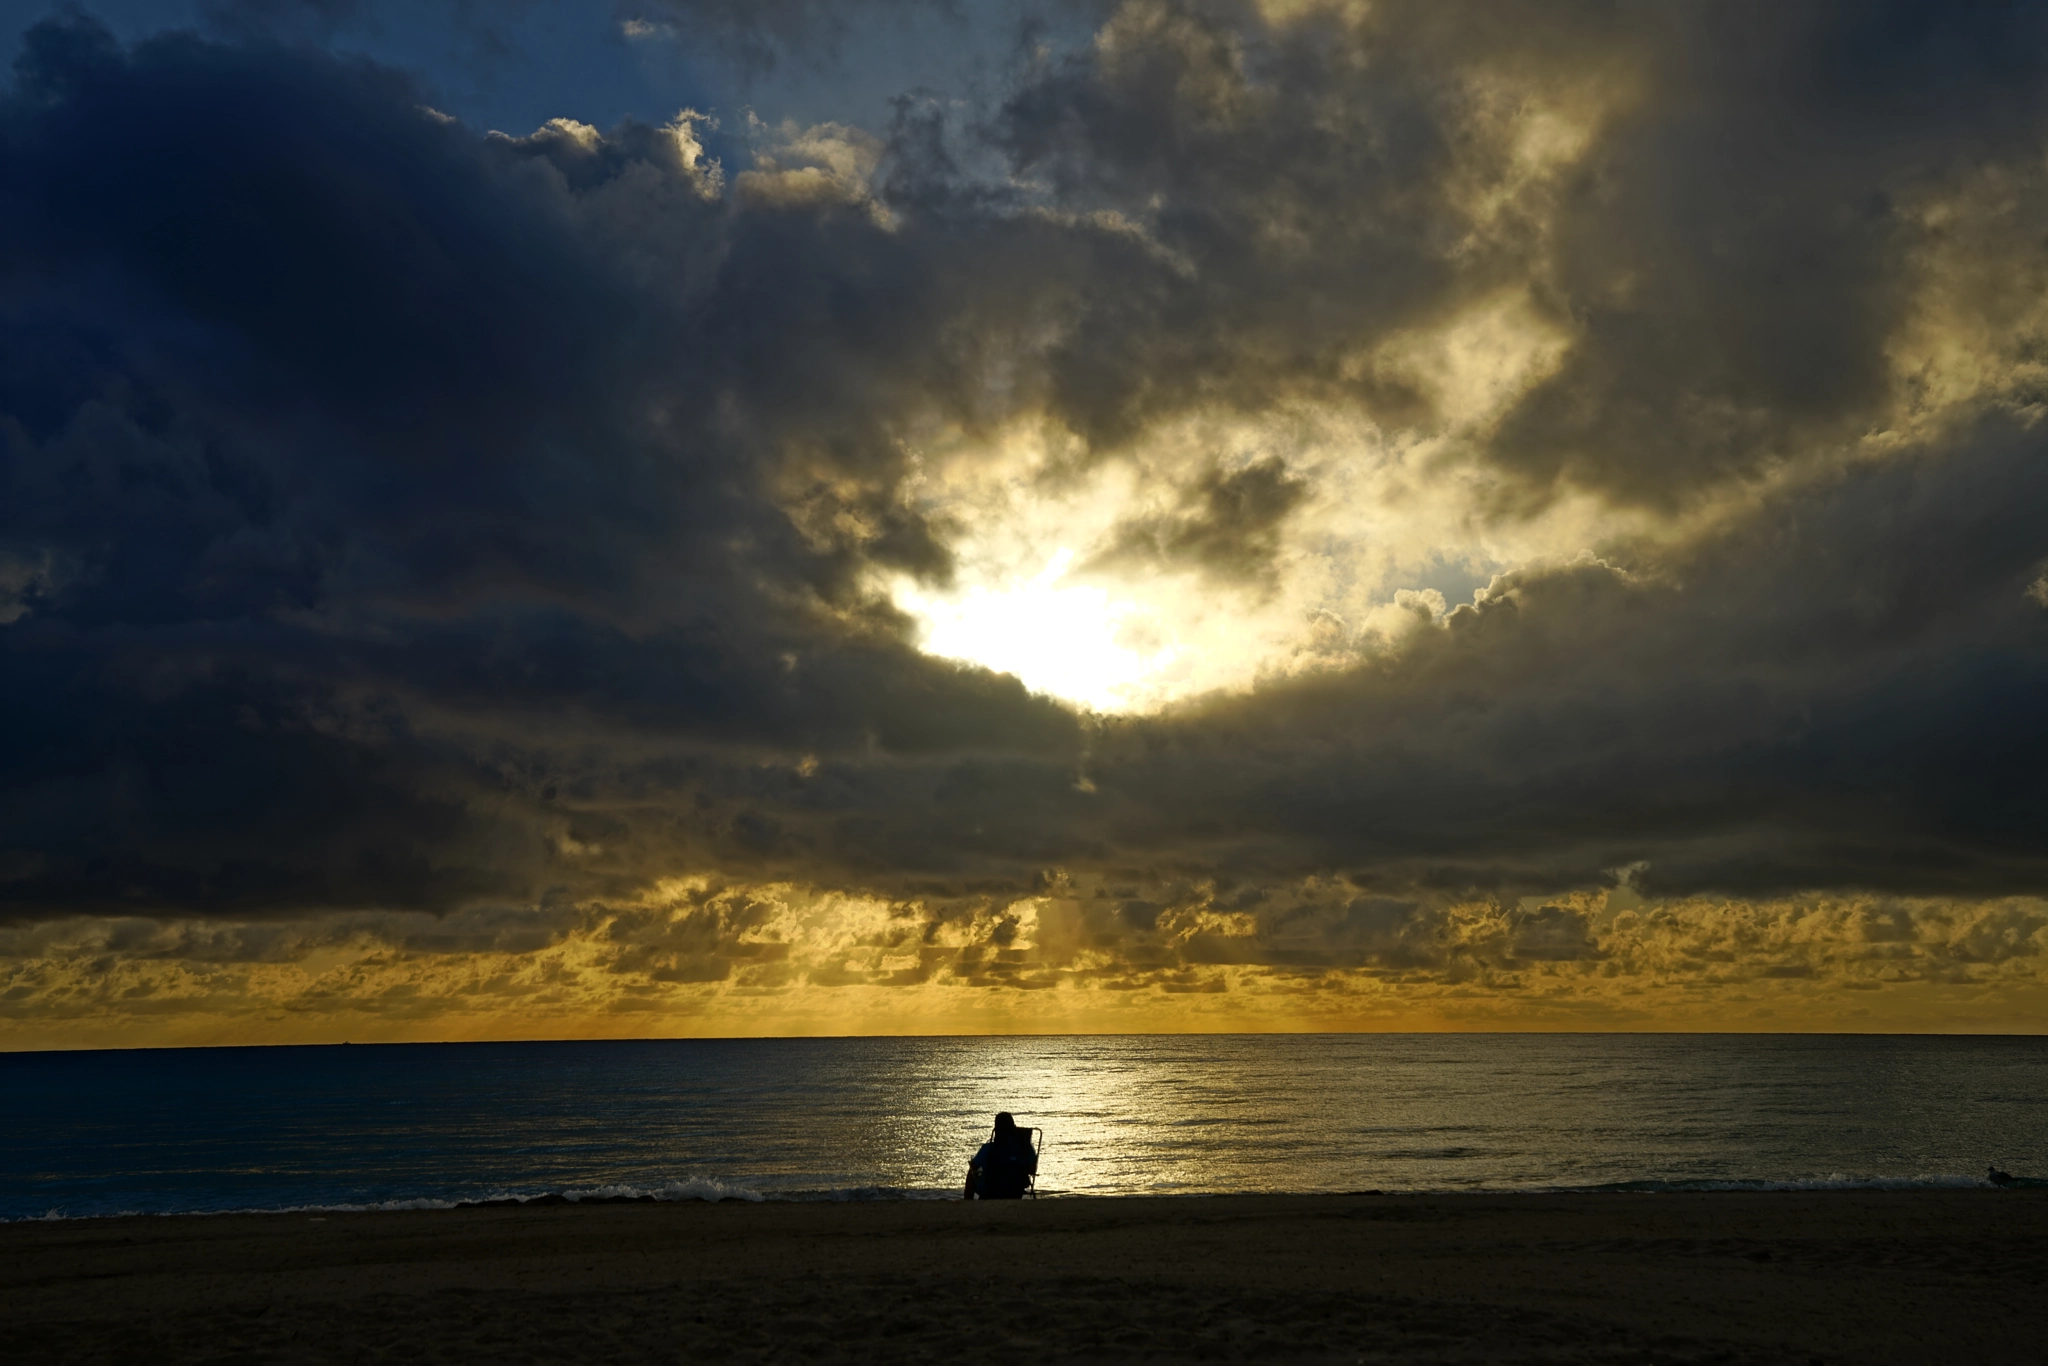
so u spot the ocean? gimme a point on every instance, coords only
(417, 1125)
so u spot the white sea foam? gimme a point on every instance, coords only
(691, 1188)
(1834, 1181)
(687, 1188)
(1838, 1182)
(711, 1189)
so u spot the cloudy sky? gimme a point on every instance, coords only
(641, 517)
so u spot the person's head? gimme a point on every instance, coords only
(1004, 1124)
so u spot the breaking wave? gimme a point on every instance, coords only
(1833, 1182)
(712, 1190)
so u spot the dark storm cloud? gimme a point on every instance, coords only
(1735, 257)
(1228, 527)
(1839, 689)
(1298, 193)
(330, 424)
(1731, 257)
(400, 517)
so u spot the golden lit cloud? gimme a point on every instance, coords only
(699, 957)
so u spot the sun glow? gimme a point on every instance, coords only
(1074, 640)
(1121, 584)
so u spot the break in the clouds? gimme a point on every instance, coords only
(1237, 514)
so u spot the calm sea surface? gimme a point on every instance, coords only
(266, 1128)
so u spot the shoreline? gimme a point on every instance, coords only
(574, 1197)
(1697, 1276)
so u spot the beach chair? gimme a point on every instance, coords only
(1011, 1172)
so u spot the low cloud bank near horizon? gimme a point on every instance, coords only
(445, 574)
(699, 957)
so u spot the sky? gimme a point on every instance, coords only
(566, 518)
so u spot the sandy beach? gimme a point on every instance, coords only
(1859, 1277)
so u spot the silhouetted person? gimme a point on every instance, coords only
(1003, 1167)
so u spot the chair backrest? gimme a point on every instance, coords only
(1011, 1165)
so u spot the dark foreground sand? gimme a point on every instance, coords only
(1915, 1277)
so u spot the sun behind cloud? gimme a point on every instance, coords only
(1072, 640)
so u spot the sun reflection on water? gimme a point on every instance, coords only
(1219, 1114)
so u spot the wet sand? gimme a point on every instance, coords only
(1840, 1277)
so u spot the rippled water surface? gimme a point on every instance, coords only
(215, 1129)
